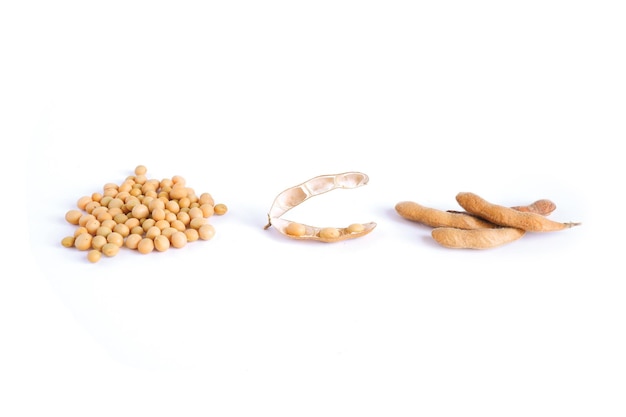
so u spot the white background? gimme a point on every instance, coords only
(512, 101)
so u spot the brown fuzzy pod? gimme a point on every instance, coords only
(475, 238)
(543, 207)
(438, 218)
(509, 217)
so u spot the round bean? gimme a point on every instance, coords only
(94, 255)
(178, 239)
(206, 231)
(161, 243)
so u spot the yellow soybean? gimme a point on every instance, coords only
(132, 241)
(206, 231)
(141, 170)
(68, 241)
(72, 216)
(98, 242)
(329, 233)
(295, 229)
(110, 249)
(355, 228)
(83, 241)
(116, 239)
(140, 211)
(192, 235)
(178, 239)
(161, 243)
(94, 256)
(153, 232)
(197, 222)
(145, 245)
(220, 209)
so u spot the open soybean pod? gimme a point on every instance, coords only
(296, 195)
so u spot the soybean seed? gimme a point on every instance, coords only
(162, 224)
(92, 226)
(197, 222)
(185, 202)
(168, 232)
(140, 170)
(178, 225)
(147, 224)
(178, 239)
(132, 241)
(102, 231)
(329, 233)
(132, 222)
(140, 211)
(178, 179)
(82, 202)
(80, 230)
(206, 231)
(161, 243)
(195, 212)
(295, 229)
(153, 232)
(110, 249)
(85, 218)
(98, 242)
(172, 206)
(220, 209)
(115, 238)
(177, 192)
(158, 214)
(183, 217)
(206, 198)
(94, 256)
(192, 235)
(355, 228)
(83, 241)
(145, 245)
(122, 229)
(207, 210)
(73, 216)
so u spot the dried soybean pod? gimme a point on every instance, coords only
(451, 237)
(542, 206)
(293, 196)
(438, 218)
(506, 216)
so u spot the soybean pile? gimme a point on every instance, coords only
(141, 214)
(483, 224)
